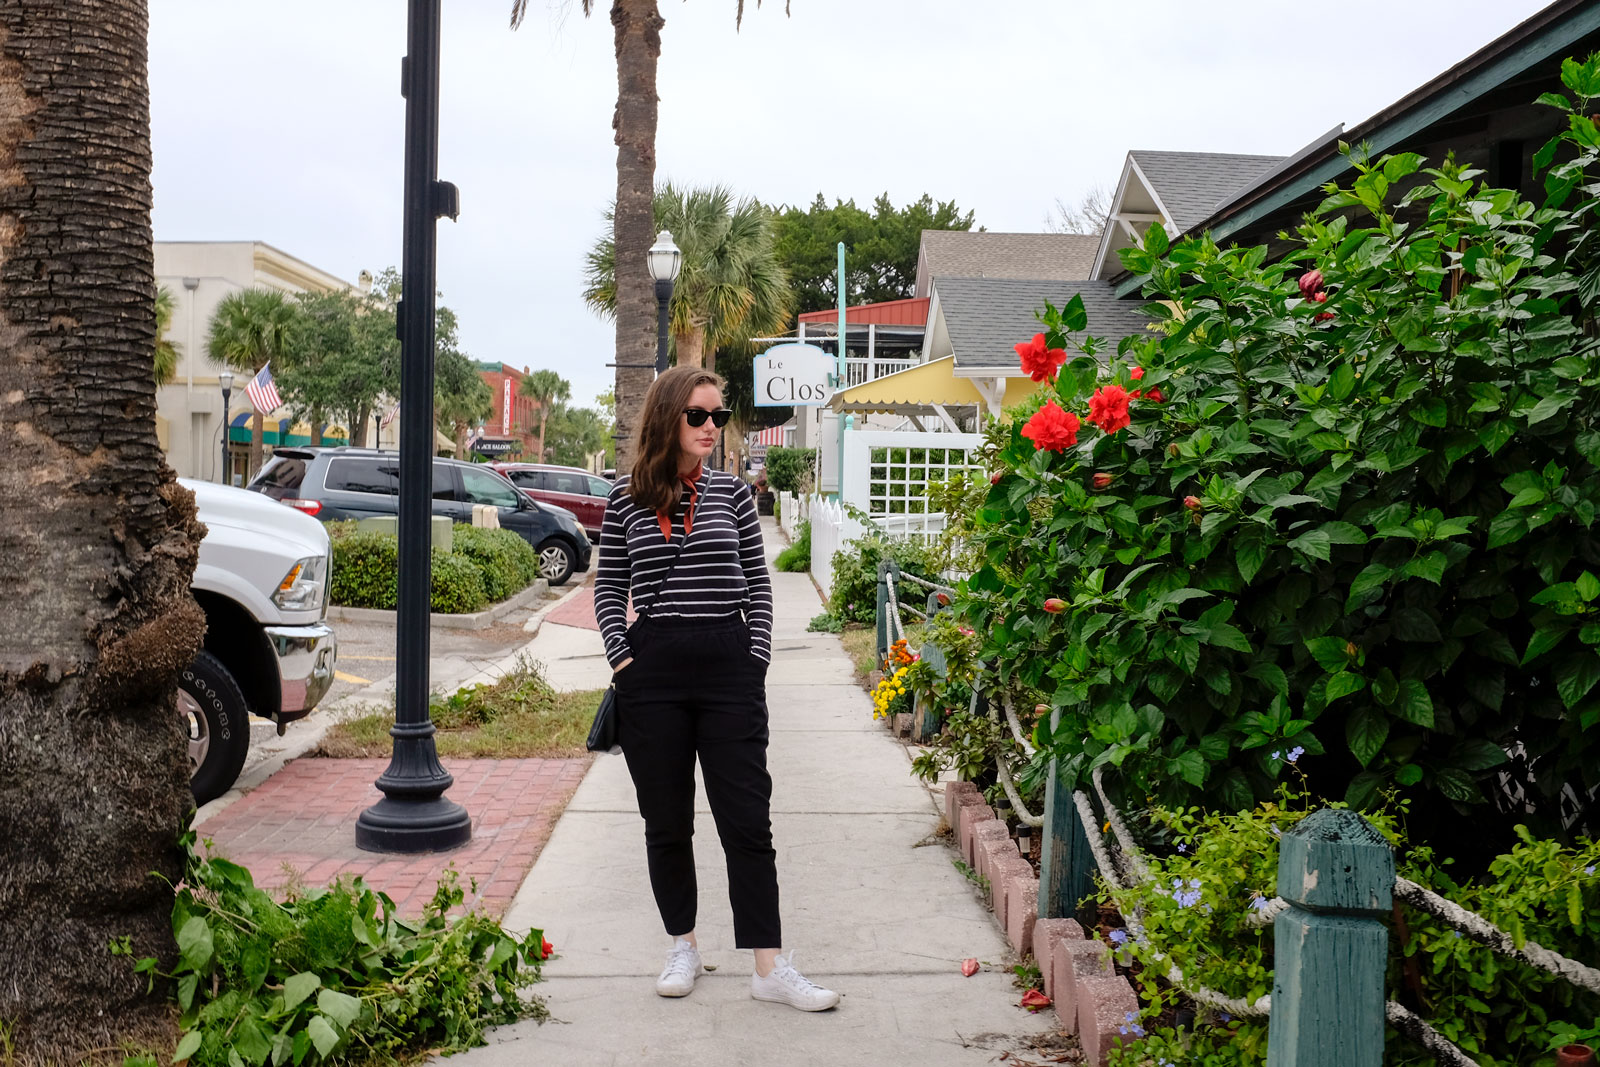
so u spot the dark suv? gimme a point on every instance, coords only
(359, 483)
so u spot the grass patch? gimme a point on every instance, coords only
(517, 717)
(797, 557)
(858, 641)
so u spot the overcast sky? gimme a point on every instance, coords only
(283, 122)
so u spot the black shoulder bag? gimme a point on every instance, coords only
(603, 734)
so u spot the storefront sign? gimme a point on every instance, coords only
(794, 375)
(505, 408)
(485, 447)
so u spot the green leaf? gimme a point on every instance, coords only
(1366, 731)
(1363, 789)
(188, 1045)
(1576, 675)
(297, 987)
(1342, 382)
(1074, 319)
(1372, 576)
(1414, 624)
(1548, 407)
(323, 1036)
(1431, 411)
(1457, 785)
(1588, 586)
(1429, 568)
(1236, 792)
(1343, 684)
(341, 1007)
(1155, 240)
(1410, 774)
(1249, 556)
(1226, 635)
(1414, 704)
(1544, 639)
(1477, 754)
(194, 943)
(1330, 652)
(1506, 527)
(1270, 675)
(1314, 543)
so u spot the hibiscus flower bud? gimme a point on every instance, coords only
(1192, 503)
(994, 479)
(1172, 450)
(1310, 282)
(1055, 605)
(1351, 650)
(944, 599)
(1102, 480)
(1041, 710)
(1155, 395)
(1135, 395)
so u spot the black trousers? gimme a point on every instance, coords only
(694, 688)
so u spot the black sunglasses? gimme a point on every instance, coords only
(698, 416)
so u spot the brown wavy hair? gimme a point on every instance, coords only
(656, 455)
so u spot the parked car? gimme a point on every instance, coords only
(262, 580)
(358, 483)
(573, 488)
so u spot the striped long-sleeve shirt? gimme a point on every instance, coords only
(721, 572)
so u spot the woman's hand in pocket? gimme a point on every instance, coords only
(621, 666)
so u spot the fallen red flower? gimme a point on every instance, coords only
(1034, 1000)
(546, 947)
(1052, 429)
(1038, 361)
(969, 967)
(1108, 408)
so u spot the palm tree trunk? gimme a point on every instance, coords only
(691, 346)
(316, 427)
(257, 427)
(637, 26)
(100, 543)
(543, 416)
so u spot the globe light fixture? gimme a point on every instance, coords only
(665, 260)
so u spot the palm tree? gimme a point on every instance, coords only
(636, 27)
(731, 286)
(166, 361)
(250, 329)
(550, 390)
(100, 548)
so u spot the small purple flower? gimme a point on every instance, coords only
(1187, 898)
(1194, 883)
(1589, 869)
(1295, 753)
(1259, 902)
(1276, 832)
(1182, 847)
(1277, 754)
(1224, 1016)
(1133, 1027)
(1119, 937)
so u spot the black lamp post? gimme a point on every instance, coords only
(226, 378)
(414, 815)
(665, 262)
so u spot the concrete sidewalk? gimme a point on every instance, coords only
(872, 914)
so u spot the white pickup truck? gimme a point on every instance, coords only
(262, 581)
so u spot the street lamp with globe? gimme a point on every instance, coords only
(666, 260)
(226, 379)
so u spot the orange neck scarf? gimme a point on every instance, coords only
(688, 516)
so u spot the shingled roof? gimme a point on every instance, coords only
(1192, 185)
(965, 254)
(987, 317)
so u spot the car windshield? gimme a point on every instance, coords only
(281, 477)
(484, 487)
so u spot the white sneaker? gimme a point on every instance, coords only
(785, 985)
(683, 967)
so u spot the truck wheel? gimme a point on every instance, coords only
(555, 561)
(217, 720)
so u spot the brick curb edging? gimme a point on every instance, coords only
(1091, 1000)
(476, 620)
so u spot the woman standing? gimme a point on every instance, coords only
(691, 676)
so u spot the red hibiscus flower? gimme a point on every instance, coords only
(1108, 408)
(1136, 373)
(1155, 394)
(1039, 362)
(1052, 429)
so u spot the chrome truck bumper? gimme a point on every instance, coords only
(306, 656)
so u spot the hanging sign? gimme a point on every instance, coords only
(793, 375)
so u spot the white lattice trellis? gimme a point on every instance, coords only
(887, 474)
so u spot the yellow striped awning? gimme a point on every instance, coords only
(920, 388)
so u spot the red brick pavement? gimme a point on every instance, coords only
(300, 824)
(579, 611)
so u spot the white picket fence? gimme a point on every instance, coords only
(792, 511)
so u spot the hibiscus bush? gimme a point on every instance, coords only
(1343, 501)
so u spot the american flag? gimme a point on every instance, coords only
(384, 422)
(263, 393)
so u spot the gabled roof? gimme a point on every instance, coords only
(981, 320)
(962, 253)
(1192, 184)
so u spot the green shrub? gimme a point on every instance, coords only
(458, 586)
(364, 568)
(1364, 525)
(855, 575)
(334, 975)
(508, 563)
(789, 469)
(797, 557)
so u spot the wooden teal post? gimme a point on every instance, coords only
(929, 721)
(883, 610)
(1337, 874)
(1066, 866)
